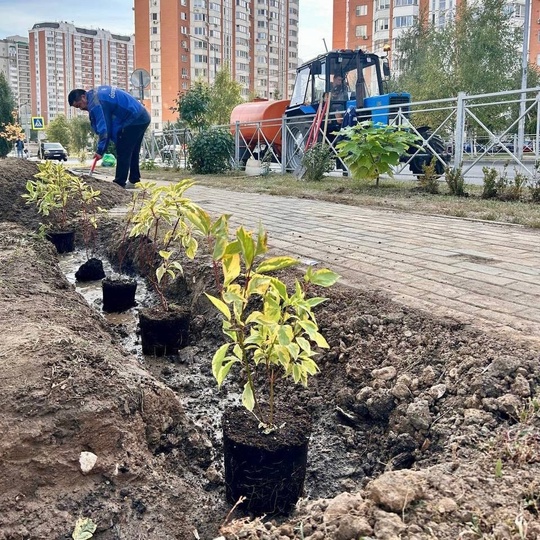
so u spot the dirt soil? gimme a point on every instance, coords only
(423, 428)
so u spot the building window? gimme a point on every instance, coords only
(399, 3)
(361, 31)
(361, 10)
(404, 21)
(383, 4)
(382, 24)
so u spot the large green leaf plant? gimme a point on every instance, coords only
(372, 149)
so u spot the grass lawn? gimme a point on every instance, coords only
(397, 195)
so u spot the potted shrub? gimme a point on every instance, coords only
(119, 290)
(265, 446)
(92, 268)
(58, 196)
(161, 222)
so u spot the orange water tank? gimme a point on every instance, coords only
(258, 118)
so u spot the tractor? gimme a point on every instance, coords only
(363, 79)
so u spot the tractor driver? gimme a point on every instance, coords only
(339, 88)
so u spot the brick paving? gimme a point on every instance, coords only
(481, 273)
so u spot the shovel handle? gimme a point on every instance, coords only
(93, 165)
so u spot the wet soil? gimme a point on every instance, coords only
(422, 427)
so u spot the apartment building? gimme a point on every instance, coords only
(15, 65)
(181, 41)
(64, 56)
(370, 24)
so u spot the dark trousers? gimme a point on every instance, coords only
(128, 147)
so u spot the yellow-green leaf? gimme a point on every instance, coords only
(221, 306)
(160, 272)
(247, 245)
(323, 277)
(225, 368)
(84, 529)
(320, 341)
(217, 360)
(231, 268)
(275, 263)
(248, 399)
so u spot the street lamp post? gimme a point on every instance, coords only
(24, 121)
(524, 62)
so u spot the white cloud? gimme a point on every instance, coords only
(315, 25)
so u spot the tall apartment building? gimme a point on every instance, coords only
(15, 64)
(181, 41)
(370, 24)
(63, 57)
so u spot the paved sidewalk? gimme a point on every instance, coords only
(485, 274)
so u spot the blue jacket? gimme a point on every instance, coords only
(111, 110)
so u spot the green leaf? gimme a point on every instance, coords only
(221, 306)
(275, 263)
(84, 529)
(248, 399)
(498, 468)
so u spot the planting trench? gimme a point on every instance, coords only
(423, 428)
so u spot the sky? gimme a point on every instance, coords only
(18, 16)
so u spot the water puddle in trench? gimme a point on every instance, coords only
(126, 322)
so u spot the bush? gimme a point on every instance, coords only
(317, 160)
(211, 151)
(429, 179)
(490, 183)
(455, 182)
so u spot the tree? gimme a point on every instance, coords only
(80, 131)
(193, 106)
(7, 105)
(477, 52)
(58, 130)
(225, 94)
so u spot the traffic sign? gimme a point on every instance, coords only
(38, 122)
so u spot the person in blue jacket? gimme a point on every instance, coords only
(115, 115)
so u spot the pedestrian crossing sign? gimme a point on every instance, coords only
(37, 122)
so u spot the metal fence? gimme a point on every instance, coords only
(476, 131)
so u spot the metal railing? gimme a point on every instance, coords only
(476, 131)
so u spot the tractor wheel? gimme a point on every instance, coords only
(438, 146)
(297, 131)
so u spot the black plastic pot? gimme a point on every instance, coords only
(64, 241)
(164, 332)
(91, 270)
(268, 469)
(118, 294)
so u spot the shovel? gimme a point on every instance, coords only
(93, 166)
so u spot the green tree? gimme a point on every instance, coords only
(81, 131)
(225, 95)
(7, 105)
(193, 106)
(58, 130)
(477, 52)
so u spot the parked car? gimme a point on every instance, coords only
(52, 150)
